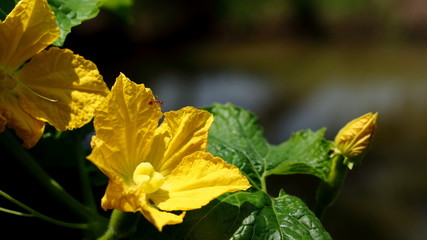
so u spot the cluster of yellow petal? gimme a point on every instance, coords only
(55, 86)
(152, 168)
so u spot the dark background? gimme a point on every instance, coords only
(297, 64)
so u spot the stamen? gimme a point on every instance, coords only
(147, 178)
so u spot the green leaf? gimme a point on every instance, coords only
(237, 137)
(70, 13)
(285, 217)
(243, 216)
(5, 7)
(288, 218)
(296, 220)
(306, 152)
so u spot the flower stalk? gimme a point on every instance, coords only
(328, 190)
(122, 225)
(350, 147)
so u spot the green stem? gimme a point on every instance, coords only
(122, 225)
(34, 213)
(328, 190)
(3, 12)
(264, 183)
(9, 140)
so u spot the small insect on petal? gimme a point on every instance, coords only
(153, 101)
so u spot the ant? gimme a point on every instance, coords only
(151, 102)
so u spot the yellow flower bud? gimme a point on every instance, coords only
(355, 138)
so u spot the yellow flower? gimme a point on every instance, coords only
(55, 86)
(355, 138)
(152, 168)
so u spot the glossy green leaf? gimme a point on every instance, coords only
(296, 220)
(306, 152)
(237, 137)
(70, 13)
(284, 217)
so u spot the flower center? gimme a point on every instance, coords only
(147, 178)
(6, 81)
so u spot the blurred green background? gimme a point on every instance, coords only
(297, 64)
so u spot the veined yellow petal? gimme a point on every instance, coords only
(159, 218)
(125, 122)
(28, 29)
(101, 156)
(197, 180)
(182, 133)
(72, 81)
(12, 115)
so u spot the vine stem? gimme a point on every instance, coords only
(34, 213)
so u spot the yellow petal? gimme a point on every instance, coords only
(197, 180)
(101, 156)
(182, 133)
(69, 79)
(355, 138)
(29, 28)
(125, 123)
(26, 127)
(159, 218)
(129, 199)
(120, 196)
